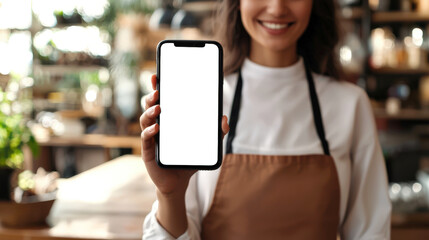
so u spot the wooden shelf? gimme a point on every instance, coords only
(95, 140)
(411, 219)
(391, 17)
(404, 114)
(61, 69)
(400, 71)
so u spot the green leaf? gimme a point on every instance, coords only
(34, 147)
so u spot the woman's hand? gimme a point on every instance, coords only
(169, 182)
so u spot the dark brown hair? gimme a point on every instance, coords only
(316, 45)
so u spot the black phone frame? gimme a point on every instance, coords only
(192, 43)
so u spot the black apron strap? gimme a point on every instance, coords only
(317, 116)
(233, 118)
(314, 104)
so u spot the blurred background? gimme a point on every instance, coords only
(74, 73)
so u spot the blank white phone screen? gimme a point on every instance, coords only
(189, 88)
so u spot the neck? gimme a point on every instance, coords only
(272, 58)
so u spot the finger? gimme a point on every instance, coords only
(149, 116)
(225, 126)
(148, 141)
(151, 99)
(153, 80)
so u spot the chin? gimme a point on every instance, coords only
(280, 47)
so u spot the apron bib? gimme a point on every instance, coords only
(275, 197)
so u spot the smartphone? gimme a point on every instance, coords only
(190, 84)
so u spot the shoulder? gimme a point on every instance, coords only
(340, 91)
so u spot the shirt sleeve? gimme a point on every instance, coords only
(369, 208)
(153, 230)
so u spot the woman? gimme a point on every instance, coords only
(302, 155)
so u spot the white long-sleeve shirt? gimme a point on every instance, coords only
(276, 119)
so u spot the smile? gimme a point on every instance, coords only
(275, 26)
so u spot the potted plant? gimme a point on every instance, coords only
(14, 136)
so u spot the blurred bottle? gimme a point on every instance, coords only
(424, 92)
(384, 51)
(387, 51)
(406, 5)
(423, 6)
(413, 46)
(379, 5)
(408, 197)
(352, 54)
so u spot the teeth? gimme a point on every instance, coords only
(274, 26)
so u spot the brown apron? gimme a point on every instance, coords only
(275, 197)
